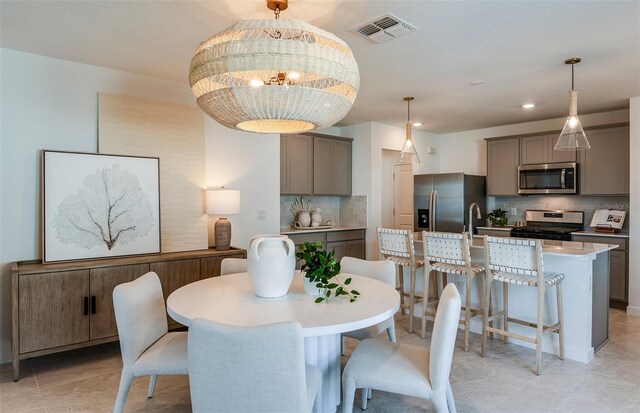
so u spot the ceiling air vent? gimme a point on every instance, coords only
(384, 28)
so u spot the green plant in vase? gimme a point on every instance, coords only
(498, 218)
(320, 268)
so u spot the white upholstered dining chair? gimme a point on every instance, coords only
(233, 266)
(147, 348)
(250, 369)
(384, 271)
(408, 370)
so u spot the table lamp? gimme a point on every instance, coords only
(223, 202)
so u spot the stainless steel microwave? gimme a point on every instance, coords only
(550, 178)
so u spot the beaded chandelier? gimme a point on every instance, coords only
(274, 76)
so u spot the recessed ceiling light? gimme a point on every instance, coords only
(417, 123)
(528, 105)
(476, 82)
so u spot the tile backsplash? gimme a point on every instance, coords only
(588, 204)
(342, 211)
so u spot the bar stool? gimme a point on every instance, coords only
(519, 261)
(449, 253)
(397, 245)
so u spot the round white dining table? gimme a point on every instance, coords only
(229, 299)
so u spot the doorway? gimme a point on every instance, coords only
(397, 192)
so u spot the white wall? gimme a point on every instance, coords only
(466, 151)
(249, 162)
(634, 208)
(52, 104)
(370, 139)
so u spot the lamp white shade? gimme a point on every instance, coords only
(223, 201)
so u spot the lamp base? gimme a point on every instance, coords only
(222, 230)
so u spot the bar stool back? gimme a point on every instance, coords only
(519, 261)
(449, 253)
(397, 245)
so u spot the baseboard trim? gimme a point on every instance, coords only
(634, 311)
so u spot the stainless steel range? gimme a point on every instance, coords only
(554, 225)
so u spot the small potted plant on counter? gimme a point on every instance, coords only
(320, 269)
(498, 218)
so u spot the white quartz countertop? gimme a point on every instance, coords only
(566, 248)
(290, 231)
(592, 232)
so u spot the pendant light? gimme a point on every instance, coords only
(408, 149)
(274, 75)
(572, 136)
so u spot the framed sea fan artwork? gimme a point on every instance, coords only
(98, 206)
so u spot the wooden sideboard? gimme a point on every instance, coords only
(64, 306)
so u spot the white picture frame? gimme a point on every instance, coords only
(99, 206)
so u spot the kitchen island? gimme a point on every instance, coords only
(585, 296)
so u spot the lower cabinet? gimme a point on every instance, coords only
(62, 306)
(347, 243)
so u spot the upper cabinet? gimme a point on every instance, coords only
(331, 166)
(539, 149)
(604, 169)
(296, 164)
(319, 166)
(502, 166)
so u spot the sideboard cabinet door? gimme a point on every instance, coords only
(53, 309)
(175, 274)
(103, 281)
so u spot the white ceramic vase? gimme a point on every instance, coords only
(304, 219)
(271, 263)
(310, 287)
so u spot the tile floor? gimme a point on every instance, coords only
(87, 380)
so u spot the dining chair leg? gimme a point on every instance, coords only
(560, 318)
(425, 301)
(348, 395)
(126, 379)
(485, 315)
(467, 311)
(450, 402)
(439, 400)
(342, 345)
(412, 298)
(152, 385)
(539, 328)
(505, 306)
(364, 393)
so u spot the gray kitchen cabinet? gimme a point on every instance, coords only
(347, 243)
(538, 149)
(618, 266)
(559, 156)
(502, 166)
(604, 169)
(331, 166)
(315, 165)
(296, 164)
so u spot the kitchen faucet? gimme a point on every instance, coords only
(478, 216)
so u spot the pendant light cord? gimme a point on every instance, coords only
(572, 65)
(408, 111)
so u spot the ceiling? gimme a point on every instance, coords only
(517, 48)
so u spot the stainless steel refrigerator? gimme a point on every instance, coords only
(441, 201)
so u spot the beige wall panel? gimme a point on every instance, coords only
(175, 134)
